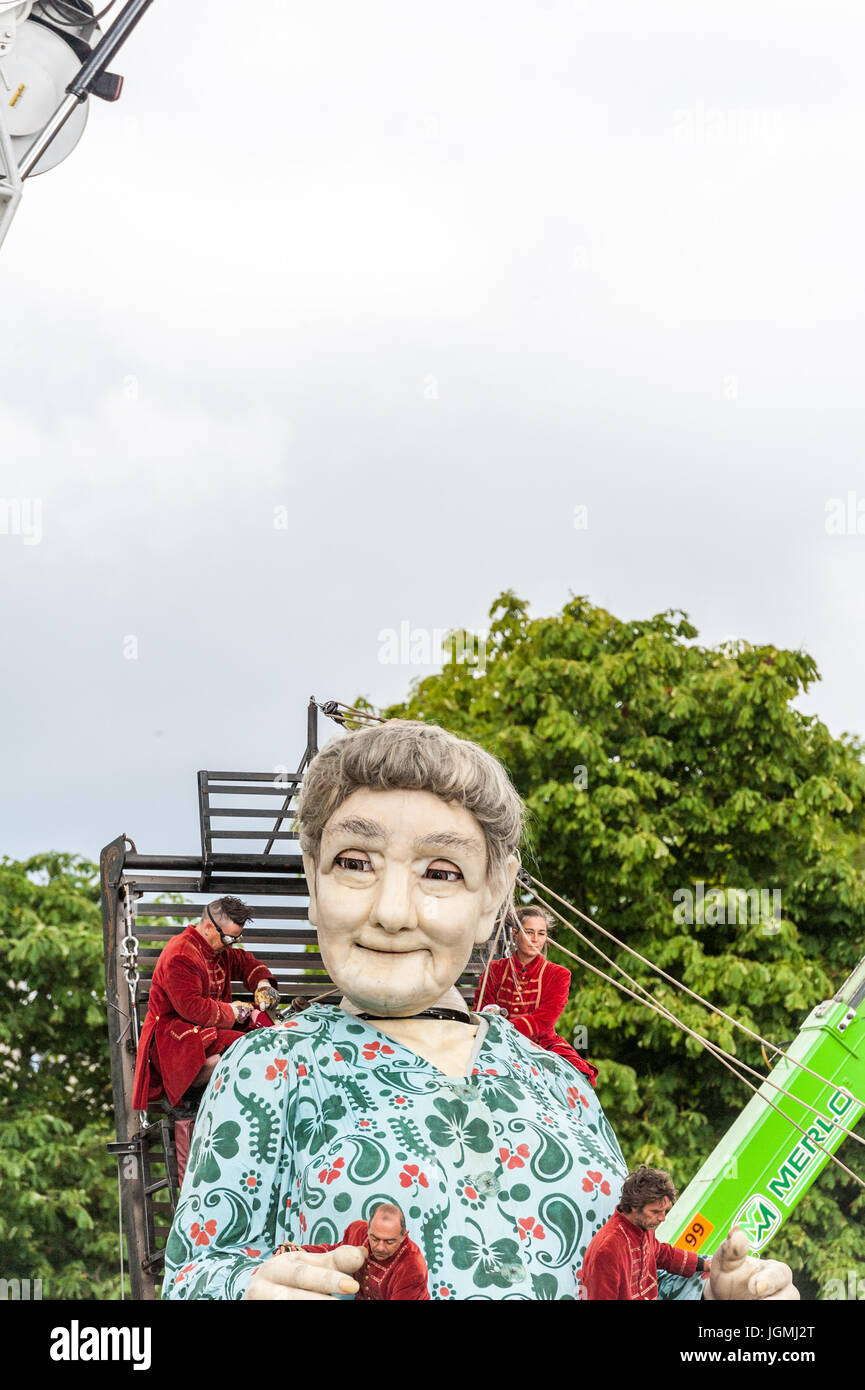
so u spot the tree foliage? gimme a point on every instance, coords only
(58, 1197)
(650, 763)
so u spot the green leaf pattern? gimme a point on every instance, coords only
(468, 1159)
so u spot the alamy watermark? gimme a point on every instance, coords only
(845, 516)
(725, 125)
(20, 1290)
(728, 907)
(22, 516)
(77, 1343)
(851, 1287)
(425, 646)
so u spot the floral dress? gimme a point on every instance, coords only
(504, 1174)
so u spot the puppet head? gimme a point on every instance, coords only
(410, 840)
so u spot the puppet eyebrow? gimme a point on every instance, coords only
(372, 830)
(358, 825)
(445, 839)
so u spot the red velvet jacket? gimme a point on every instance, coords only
(622, 1262)
(535, 996)
(401, 1278)
(189, 1013)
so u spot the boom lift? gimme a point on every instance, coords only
(765, 1163)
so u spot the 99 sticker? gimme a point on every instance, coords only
(695, 1235)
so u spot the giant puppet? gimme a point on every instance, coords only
(498, 1152)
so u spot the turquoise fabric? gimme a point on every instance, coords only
(504, 1175)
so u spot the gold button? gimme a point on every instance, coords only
(195, 1030)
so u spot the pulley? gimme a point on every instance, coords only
(46, 44)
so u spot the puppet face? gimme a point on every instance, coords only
(400, 897)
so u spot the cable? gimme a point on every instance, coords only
(75, 15)
(340, 712)
(715, 1048)
(493, 949)
(673, 981)
(711, 1048)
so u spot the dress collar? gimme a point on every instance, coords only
(525, 971)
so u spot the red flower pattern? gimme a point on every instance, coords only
(528, 1226)
(202, 1234)
(371, 1049)
(276, 1069)
(411, 1174)
(514, 1159)
(328, 1175)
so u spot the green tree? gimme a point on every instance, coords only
(58, 1197)
(649, 763)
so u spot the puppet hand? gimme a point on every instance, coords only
(734, 1274)
(299, 1274)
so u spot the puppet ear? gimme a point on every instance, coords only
(499, 890)
(310, 869)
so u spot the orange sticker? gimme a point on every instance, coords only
(694, 1235)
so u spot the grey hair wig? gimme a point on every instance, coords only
(406, 755)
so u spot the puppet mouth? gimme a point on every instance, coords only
(390, 950)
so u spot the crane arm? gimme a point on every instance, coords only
(764, 1165)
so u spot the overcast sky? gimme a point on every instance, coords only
(417, 282)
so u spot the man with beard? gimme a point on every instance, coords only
(623, 1258)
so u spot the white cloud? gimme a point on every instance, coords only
(237, 291)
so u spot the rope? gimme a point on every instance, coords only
(340, 712)
(716, 1048)
(678, 983)
(710, 1047)
(715, 1051)
(493, 949)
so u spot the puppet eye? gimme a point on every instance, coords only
(352, 862)
(443, 873)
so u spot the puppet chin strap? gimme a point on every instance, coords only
(454, 1015)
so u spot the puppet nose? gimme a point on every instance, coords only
(394, 909)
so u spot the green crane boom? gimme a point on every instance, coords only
(763, 1166)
